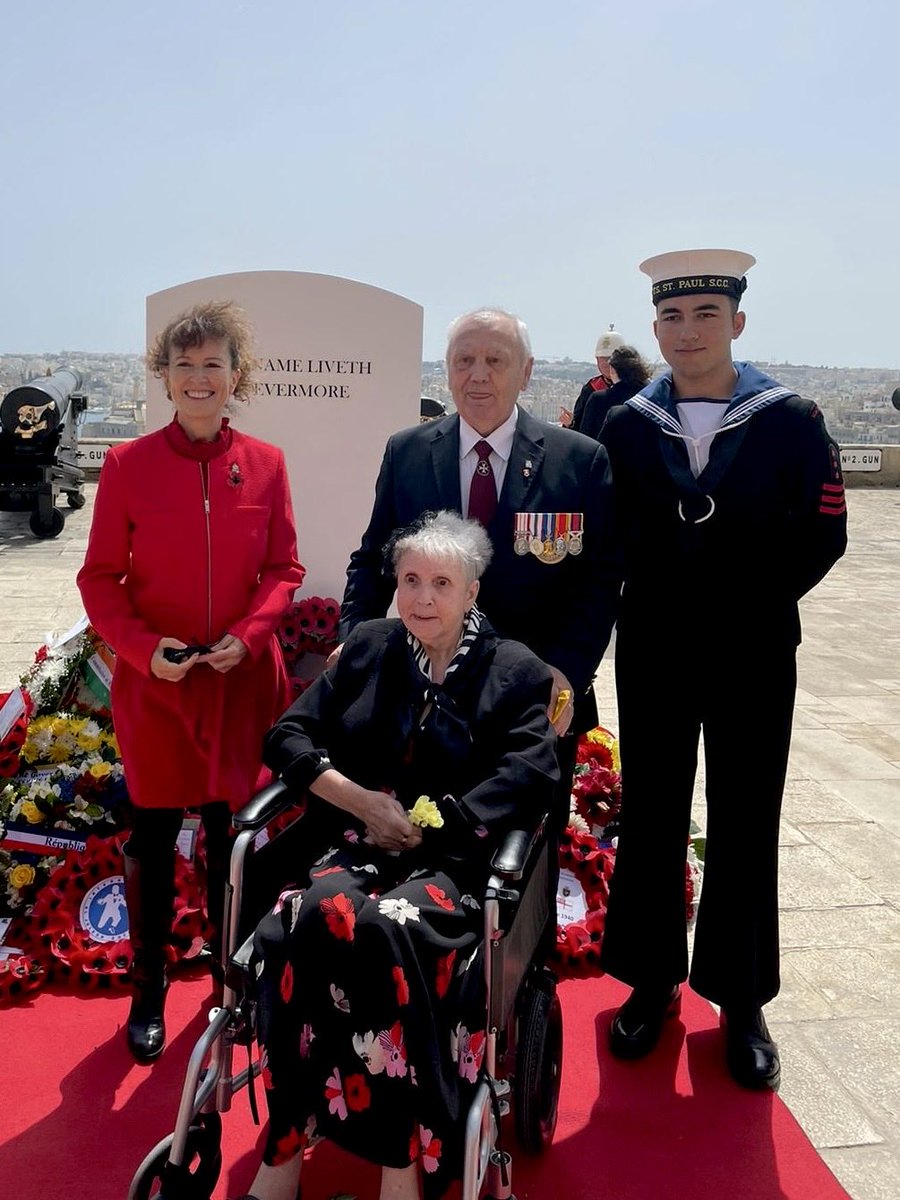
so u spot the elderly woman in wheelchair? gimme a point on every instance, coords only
(418, 751)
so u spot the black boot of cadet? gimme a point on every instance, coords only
(149, 895)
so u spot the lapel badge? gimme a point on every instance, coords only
(526, 470)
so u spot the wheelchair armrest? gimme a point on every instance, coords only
(511, 861)
(265, 805)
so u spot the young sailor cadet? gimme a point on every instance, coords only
(732, 507)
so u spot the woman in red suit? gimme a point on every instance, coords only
(190, 565)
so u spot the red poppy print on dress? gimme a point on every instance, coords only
(357, 1094)
(289, 1146)
(444, 973)
(439, 896)
(326, 871)
(401, 985)
(414, 1146)
(287, 983)
(340, 916)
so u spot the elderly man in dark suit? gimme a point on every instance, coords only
(544, 496)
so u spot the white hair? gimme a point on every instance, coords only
(486, 316)
(446, 535)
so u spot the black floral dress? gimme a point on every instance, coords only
(370, 974)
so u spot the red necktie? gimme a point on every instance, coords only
(483, 492)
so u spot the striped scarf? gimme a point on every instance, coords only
(470, 630)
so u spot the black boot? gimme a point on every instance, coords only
(638, 1024)
(149, 894)
(750, 1051)
(218, 865)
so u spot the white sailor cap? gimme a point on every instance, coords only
(607, 342)
(696, 272)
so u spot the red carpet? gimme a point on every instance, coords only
(77, 1116)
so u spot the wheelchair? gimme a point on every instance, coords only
(523, 1054)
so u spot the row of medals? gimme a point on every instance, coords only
(548, 550)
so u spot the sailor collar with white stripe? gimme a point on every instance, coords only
(753, 391)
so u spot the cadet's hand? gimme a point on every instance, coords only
(163, 669)
(226, 653)
(562, 705)
(565, 417)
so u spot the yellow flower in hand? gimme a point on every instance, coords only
(424, 813)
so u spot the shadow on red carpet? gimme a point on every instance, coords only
(79, 1115)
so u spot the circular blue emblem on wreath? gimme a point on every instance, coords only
(103, 913)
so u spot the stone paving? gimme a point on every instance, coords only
(837, 1018)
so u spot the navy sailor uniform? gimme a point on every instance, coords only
(720, 541)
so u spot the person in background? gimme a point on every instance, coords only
(190, 565)
(732, 507)
(628, 373)
(431, 409)
(606, 343)
(371, 1021)
(542, 493)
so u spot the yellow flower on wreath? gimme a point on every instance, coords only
(32, 813)
(100, 770)
(602, 737)
(21, 876)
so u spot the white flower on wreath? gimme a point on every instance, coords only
(577, 821)
(399, 910)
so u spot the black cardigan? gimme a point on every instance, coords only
(486, 741)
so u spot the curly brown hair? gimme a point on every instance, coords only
(629, 366)
(212, 319)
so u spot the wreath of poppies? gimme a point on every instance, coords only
(57, 948)
(576, 954)
(310, 626)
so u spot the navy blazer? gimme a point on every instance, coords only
(564, 612)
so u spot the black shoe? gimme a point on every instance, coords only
(146, 1031)
(637, 1026)
(149, 896)
(750, 1051)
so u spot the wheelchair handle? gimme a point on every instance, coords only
(265, 805)
(512, 858)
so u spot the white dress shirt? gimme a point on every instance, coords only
(501, 441)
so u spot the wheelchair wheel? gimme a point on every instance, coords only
(51, 529)
(76, 499)
(538, 1067)
(196, 1178)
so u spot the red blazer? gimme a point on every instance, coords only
(192, 540)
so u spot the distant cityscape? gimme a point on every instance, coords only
(856, 401)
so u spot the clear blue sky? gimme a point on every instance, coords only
(481, 151)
